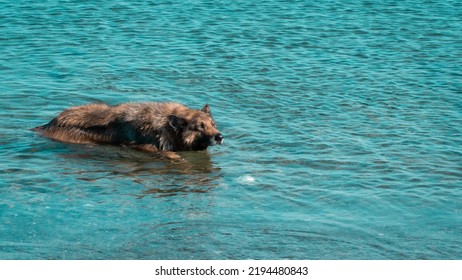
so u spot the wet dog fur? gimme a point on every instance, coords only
(146, 126)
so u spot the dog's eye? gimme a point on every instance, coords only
(202, 126)
(213, 123)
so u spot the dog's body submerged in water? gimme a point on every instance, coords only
(147, 126)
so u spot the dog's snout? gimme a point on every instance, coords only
(219, 138)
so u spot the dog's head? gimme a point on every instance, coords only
(196, 128)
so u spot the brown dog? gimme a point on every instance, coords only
(146, 126)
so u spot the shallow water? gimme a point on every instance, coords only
(342, 122)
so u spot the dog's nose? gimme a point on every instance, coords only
(219, 138)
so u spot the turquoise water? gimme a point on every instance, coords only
(343, 126)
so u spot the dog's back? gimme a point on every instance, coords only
(82, 125)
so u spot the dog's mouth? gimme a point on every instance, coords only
(214, 142)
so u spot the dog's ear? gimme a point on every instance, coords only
(207, 110)
(176, 122)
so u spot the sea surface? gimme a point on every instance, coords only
(342, 124)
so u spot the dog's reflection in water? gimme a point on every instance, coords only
(191, 172)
